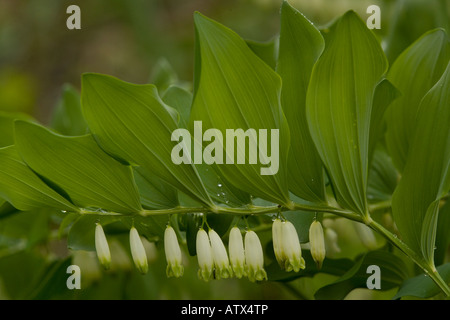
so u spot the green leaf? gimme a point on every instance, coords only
(237, 90)
(7, 126)
(413, 73)
(22, 188)
(131, 122)
(163, 75)
(382, 177)
(426, 176)
(392, 272)
(155, 193)
(67, 118)
(405, 26)
(423, 286)
(442, 234)
(266, 51)
(181, 100)
(218, 188)
(301, 44)
(78, 166)
(339, 106)
(385, 94)
(428, 232)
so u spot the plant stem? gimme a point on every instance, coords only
(253, 210)
(429, 270)
(380, 205)
(258, 210)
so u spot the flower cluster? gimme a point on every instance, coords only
(245, 257)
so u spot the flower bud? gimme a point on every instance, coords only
(254, 257)
(173, 254)
(317, 243)
(291, 248)
(102, 247)
(220, 257)
(204, 256)
(138, 251)
(366, 235)
(237, 253)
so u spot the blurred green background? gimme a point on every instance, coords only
(38, 54)
(127, 39)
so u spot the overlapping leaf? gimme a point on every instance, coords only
(22, 188)
(422, 286)
(393, 272)
(7, 126)
(413, 73)
(131, 122)
(77, 166)
(339, 106)
(301, 44)
(426, 176)
(218, 188)
(237, 90)
(67, 118)
(265, 50)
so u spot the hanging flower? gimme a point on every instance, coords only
(102, 247)
(220, 257)
(287, 246)
(204, 255)
(317, 243)
(237, 253)
(291, 248)
(254, 257)
(138, 251)
(173, 254)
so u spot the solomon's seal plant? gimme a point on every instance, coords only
(270, 142)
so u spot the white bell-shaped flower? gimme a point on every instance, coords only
(102, 247)
(220, 257)
(317, 243)
(237, 253)
(204, 256)
(254, 257)
(291, 248)
(138, 251)
(173, 253)
(286, 246)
